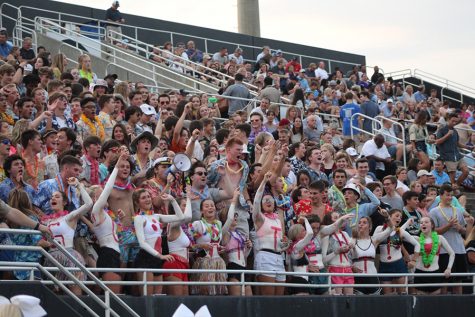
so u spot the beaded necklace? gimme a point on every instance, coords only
(454, 213)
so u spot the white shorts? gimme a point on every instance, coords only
(267, 261)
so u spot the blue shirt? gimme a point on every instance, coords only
(364, 210)
(345, 114)
(7, 186)
(5, 49)
(46, 189)
(442, 178)
(419, 96)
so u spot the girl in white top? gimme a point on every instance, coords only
(270, 240)
(237, 245)
(364, 253)
(313, 249)
(63, 226)
(105, 227)
(148, 229)
(391, 259)
(428, 261)
(335, 250)
(178, 244)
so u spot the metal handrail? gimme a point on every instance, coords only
(135, 31)
(114, 56)
(183, 62)
(28, 266)
(76, 262)
(402, 140)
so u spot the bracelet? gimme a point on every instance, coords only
(37, 226)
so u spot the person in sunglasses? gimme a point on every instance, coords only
(200, 190)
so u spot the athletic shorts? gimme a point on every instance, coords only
(398, 266)
(108, 258)
(180, 264)
(268, 261)
(460, 265)
(341, 279)
(145, 260)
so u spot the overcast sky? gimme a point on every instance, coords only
(432, 35)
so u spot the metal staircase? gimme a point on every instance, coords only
(102, 305)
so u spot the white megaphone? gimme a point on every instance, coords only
(181, 163)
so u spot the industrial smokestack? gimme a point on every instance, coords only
(248, 17)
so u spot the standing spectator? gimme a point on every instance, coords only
(237, 56)
(368, 108)
(448, 144)
(27, 53)
(90, 163)
(221, 56)
(89, 124)
(346, 112)
(85, 68)
(418, 135)
(377, 76)
(450, 223)
(257, 126)
(320, 72)
(35, 168)
(115, 17)
(14, 167)
(238, 89)
(5, 45)
(391, 198)
(107, 106)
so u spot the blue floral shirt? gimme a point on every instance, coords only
(55, 125)
(7, 186)
(26, 256)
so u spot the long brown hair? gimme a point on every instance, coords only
(19, 199)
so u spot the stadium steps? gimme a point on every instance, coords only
(55, 305)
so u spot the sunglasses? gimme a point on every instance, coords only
(201, 173)
(164, 102)
(6, 142)
(268, 200)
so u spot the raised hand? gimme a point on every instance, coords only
(73, 181)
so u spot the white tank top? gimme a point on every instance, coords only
(106, 233)
(62, 232)
(269, 234)
(363, 255)
(180, 245)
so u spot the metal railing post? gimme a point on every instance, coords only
(243, 284)
(145, 283)
(108, 304)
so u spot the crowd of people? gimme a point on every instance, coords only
(296, 188)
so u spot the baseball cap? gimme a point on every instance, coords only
(389, 100)
(351, 151)
(29, 305)
(147, 109)
(115, 3)
(422, 173)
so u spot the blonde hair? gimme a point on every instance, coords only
(10, 310)
(81, 60)
(329, 147)
(58, 62)
(295, 231)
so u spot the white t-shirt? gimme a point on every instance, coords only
(371, 149)
(321, 73)
(402, 185)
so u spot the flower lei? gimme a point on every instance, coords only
(428, 258)
(92, 127)
(53, 216)
(7, 118)
(213, 229)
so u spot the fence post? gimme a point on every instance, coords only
(243, 285)
(108, 304)
(144, 283)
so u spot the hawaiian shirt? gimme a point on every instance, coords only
(7, 186)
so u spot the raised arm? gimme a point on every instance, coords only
(81, 211)
(256, 211)
(178, 216)
(308, 236)
(380, 236)
(328, 230)
(181, 121)
(232, 211)
(101, 202)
